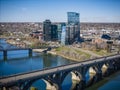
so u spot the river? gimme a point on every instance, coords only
(112, 84)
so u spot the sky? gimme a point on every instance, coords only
(56, 10)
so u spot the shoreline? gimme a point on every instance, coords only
(54, 53)
(72, 59)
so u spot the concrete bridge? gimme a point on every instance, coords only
(5, 51)
(55, 76)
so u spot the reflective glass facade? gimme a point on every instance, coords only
(63, 35)
(73, 18)
(60, 25)
(73, 27)
(47, 30)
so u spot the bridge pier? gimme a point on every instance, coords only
(58, 79)
(5, 54)
(111, 67)
(83, 71)
(79, 86)
(30, 52)
(99, 76)
(99, 72)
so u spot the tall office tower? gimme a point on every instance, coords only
(54, 33)
(70, 32)
(60, 26)
(73, 27)
(47, 30)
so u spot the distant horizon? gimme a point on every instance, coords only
(60, 22)
(100, 11)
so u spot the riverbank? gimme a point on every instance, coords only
(77, 54)
(74, 54)
(54, 53)
(103, 81)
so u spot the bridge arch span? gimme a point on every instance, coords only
(49, 85)
(91, 75)
(108, 67)
(50, 80)
(104, 68)
(53, 85)
(76, 80)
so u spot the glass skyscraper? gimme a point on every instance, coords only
(60, 26)
(47, 30)
(73, 27)
(63, 35)
(54, 33)
(73, 18)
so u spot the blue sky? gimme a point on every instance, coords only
(56, 10)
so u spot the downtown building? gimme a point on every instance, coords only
(72, 28)
(62, 32)
(49, 31)
(60, 28)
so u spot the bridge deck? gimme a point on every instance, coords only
(44, 72)
(12, 49)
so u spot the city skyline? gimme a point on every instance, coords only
(56, 10)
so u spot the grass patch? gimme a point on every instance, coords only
(72, 53)
(101, 52)
(61, 48)
(86, 54)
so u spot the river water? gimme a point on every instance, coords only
(112, 84)
(19, 62)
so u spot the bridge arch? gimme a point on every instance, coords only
(49, 85)
(76, 80)
(104, 68)
(74, 75)
(108, 67)
(91, 75)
